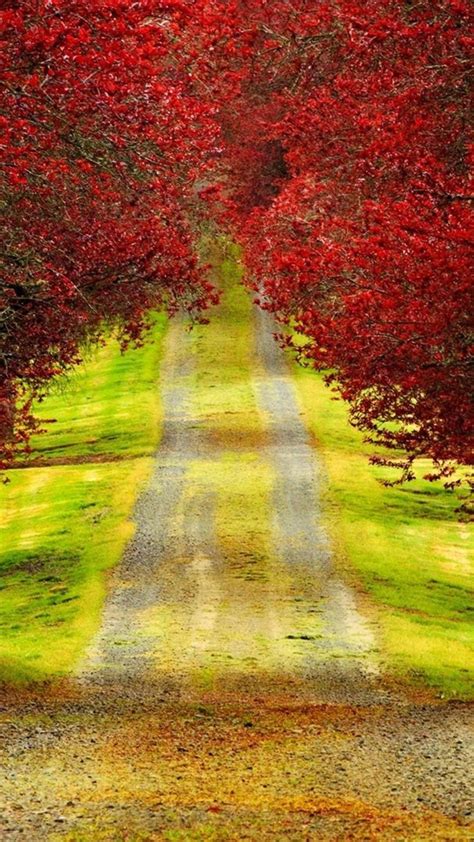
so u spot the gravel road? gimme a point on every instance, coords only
(229, 701)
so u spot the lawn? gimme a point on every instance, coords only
(65, 519)
(404, 546)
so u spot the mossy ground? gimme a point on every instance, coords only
(66, 521)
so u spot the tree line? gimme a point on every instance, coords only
(332, 140)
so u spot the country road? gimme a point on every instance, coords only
(236, 689)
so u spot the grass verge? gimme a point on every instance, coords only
(65, 519)
(405, 547)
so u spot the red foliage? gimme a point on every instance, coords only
(102, 141)
(343, 162)
(367, 247)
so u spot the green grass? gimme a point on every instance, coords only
(404, 546)
(108, 405)
(64, 523)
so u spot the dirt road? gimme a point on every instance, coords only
(235, 690)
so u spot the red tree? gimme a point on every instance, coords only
(102, 141)
(366, 249)
(343, 164)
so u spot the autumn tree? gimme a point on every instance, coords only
(335, 140)
(360, 239)
(102, 140)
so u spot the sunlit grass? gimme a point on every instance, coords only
(404, 545)
(63, 524)
(108, 405)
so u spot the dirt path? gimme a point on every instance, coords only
(234, 690)
(342, 656)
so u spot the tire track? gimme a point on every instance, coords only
(343, 657)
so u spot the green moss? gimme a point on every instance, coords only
(63, 525)
(405, 547)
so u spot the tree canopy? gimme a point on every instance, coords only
(332, 140)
